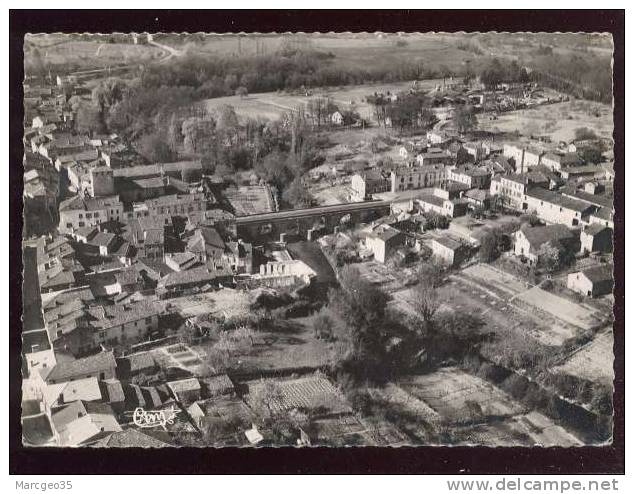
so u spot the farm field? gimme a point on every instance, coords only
(495, 296)
(595, 361)
(558, 120)
(250, 199)
(482, 413)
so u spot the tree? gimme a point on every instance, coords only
(296, 194)
(549, 257)
(424, 298)
(463, 156)
(489, 246)
(89, 120)
(242, 92)
(323, 324)
(591, 154)
(274, 169)
(266, 399)
(228, 122)
(155, 148)
(361, 307)
(584, 133)
(493, 75)
(465, 118)
(445, 73)
(109, 92)
(198, 134)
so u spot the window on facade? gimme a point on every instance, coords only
(81, 223)
(69, 225)
(96, 215)
(81, 215)
(88, 215)
(148, 320)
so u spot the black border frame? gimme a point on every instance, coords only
(368, 460)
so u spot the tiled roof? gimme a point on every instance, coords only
(131, 438)
(109, 316)
(539, 235)
(597, 274)
(448, 242)
(191, 384)
(558, 199)
(94, 363)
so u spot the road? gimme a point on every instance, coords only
(172, 52)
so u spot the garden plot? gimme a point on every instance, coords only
(306, 393)
(594, 361)
(502, 300)
(457, 396)
(481, 413)
(560, 308)
(503, 284)
(532, 429)
(179, 355)
(248, 200)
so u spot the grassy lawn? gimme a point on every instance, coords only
(293, 346)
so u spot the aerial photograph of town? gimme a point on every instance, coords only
(317, 239)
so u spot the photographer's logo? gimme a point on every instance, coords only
(154, 418)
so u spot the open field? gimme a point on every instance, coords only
(595, 361)
(558, 120)
(272, 106)
(359, 51)
(483, 414)
(250, 199)
(91, 54)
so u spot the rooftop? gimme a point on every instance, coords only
(95, 363)
(156, 168)
(539, 235)
(597, 274)
(559, 200)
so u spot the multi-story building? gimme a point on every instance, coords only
(78, 212)
(558, 161)
(176, 204)
(524, 157)
(451, 208)
(512, 188)
(417, 177)
(368, 183)
(556, 208)
(473, 177)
